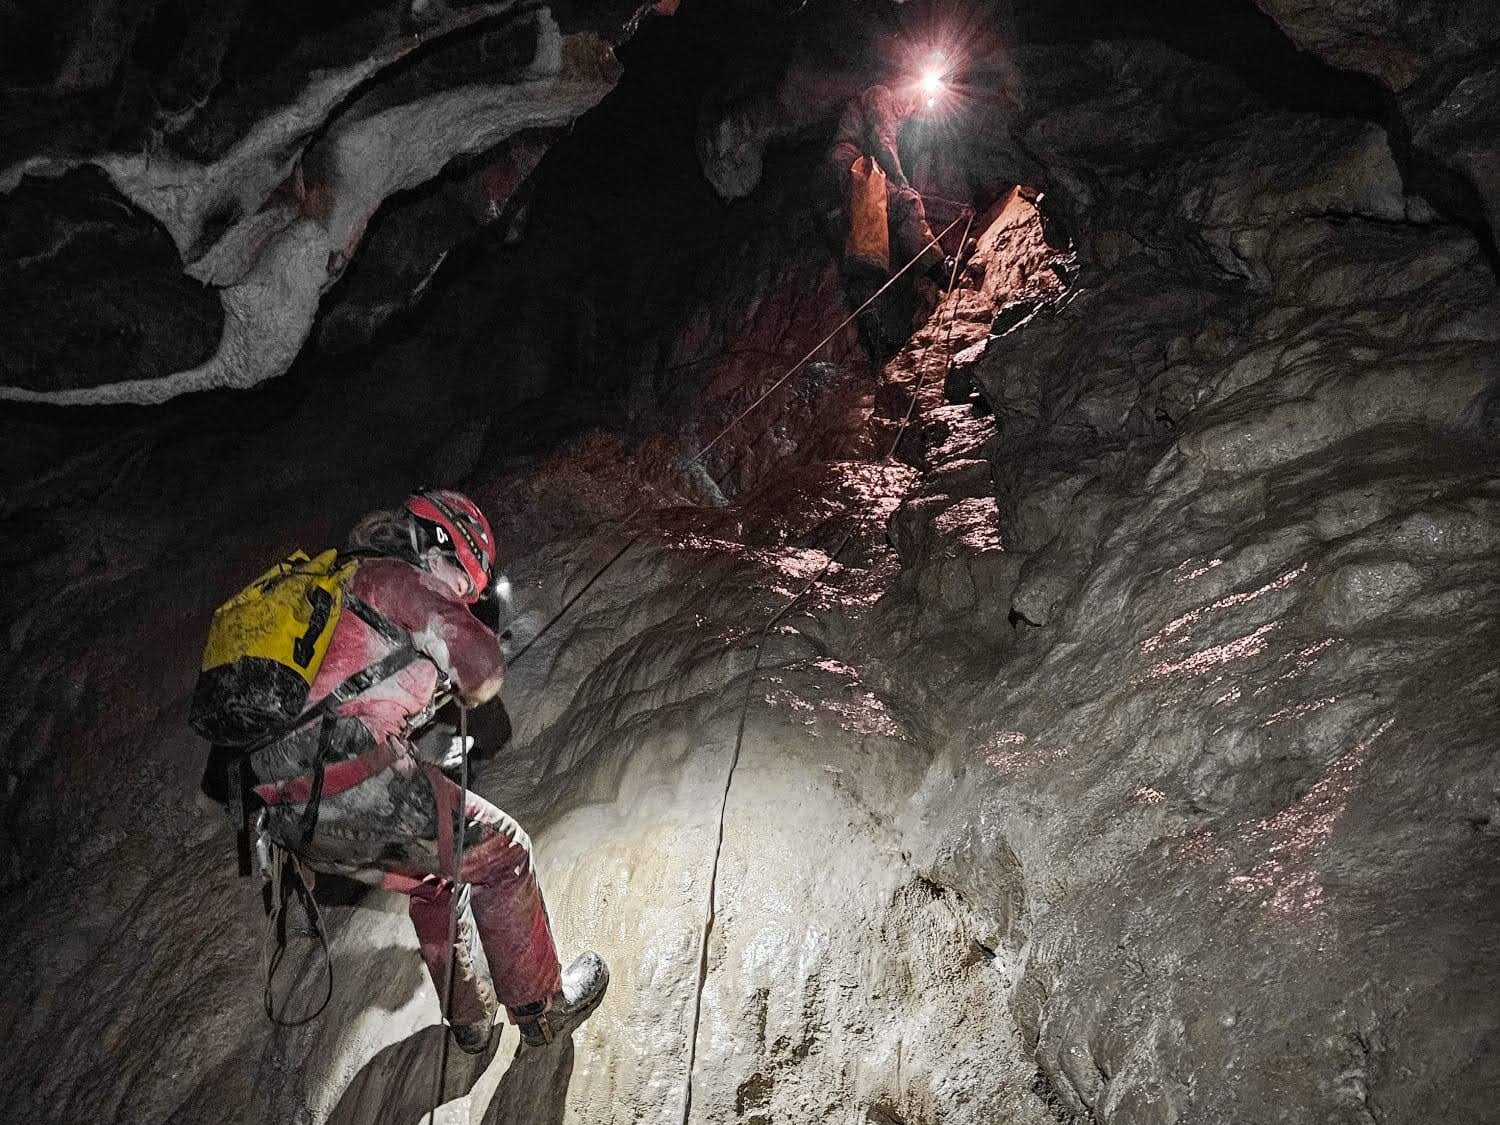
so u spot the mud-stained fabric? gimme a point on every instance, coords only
(472, 1000)
(385, 829)
(443, 630)
(871, 126)
(507, 915)
(909, 229)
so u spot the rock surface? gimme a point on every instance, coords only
(271, 210)
(93, 287)
(1393, 40)
(1442, 60)
(1133, 761)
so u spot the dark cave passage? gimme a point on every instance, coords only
(1234, 34)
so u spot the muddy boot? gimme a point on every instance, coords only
(583, 985)
(473, 1038)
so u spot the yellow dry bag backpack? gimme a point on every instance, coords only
(265, 647)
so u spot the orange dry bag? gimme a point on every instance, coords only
(869, 242)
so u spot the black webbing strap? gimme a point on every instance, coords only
(377, 621)
(315, 797)
(239, 805)
(324, 712)
(327, 710)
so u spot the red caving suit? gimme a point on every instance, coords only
(382, 806)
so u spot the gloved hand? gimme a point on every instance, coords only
(458, 750)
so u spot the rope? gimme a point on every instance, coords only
(741, 416)
(455, 900)
(932, 197)
(271, 939)
(796, 367)
(587, 586)
(271, 961)
(711, 913)
(749, 682)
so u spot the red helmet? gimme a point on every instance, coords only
(456, 525)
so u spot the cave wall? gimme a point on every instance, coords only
(263, 147)
(1134, 763)
(1440, 63)
(1246, 463)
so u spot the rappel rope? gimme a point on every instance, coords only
(711, 912)
(697, 458)
(759, 647)
(455, 904)
(276, 916)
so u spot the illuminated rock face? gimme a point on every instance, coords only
(1134, 763)
(1262, 528)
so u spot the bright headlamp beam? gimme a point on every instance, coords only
(932, 84)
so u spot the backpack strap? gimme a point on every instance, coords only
(325, 711)
(326, 708)
(239, 807)
(377, 621)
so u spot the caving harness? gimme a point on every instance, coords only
(264, 650)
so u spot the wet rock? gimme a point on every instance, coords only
(1357, 593)
(273, 219)
(1440, 59)
(1262, 812)
(738, 123)
(1213, 840)
(1452, 114)
(1051, 575)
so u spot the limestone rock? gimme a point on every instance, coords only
(272, 220)
(1392, 40)
(1212, 838)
